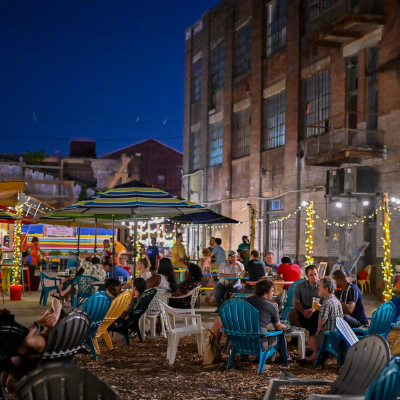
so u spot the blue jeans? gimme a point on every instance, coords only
(220, 289)
(354, 323)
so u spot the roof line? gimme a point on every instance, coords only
(146, 140)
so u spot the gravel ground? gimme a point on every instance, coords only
(141, 371)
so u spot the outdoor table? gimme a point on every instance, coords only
(58, 257)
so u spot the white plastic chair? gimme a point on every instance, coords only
(195, 295)
(153, 311)
(174, 334)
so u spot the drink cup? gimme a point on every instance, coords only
(121, 279)
(315, 303)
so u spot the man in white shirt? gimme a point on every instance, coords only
(228, 269)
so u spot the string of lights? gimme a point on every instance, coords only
(17, 244)
(309, 232)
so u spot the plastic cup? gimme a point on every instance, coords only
(315, 303)
(121, 279)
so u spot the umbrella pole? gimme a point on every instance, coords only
(134, 244)
(113, 249)
(95, 235)
(77, 248)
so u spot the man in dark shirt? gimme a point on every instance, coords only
(152, 254)
(350, 297)
(255, 269)
(129, 249)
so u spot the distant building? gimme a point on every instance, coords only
(154, 163)
(278, 94)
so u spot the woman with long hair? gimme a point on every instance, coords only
(193, 277)
(165, 277)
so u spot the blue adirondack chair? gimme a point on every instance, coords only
(347, 334)
(289, 299)
(396, 302)
(387, 384)
(47, 289)
(325, 347)
(381, 321)
(96, 306)
(84, 290)
(241, 323)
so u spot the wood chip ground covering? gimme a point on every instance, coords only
(141, 371)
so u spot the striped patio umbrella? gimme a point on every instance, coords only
(7, 217)
(134, 198)
(130, 200)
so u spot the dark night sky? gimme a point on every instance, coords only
(110, 70)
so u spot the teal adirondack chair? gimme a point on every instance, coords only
(381, 322)
(289, 299)
(84, 291)
(241, 323)
(47, 289)
(96, 306)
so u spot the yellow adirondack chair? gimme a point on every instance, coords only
(118, 306)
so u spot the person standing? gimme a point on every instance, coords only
(228, 269)
(129, 249)
(350, 297)
(218, 252)
(245, 245)
(178, 253)
(35, 251)
(270, 263)
(288, 272)
(152, 254)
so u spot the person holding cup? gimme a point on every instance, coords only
(306, 301)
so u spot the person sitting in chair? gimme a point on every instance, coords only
(34, 343)
(331, 309)
(228, 269)
(192, 279)
(350, 297)
(267, 310)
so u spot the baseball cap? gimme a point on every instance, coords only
(233, 253)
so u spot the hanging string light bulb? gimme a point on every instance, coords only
(386, 262)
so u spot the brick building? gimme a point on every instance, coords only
(278, 94)
(153, 163)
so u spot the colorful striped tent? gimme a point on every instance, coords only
(7, 217)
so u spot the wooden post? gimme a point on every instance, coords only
(310, 232)
(386, 263)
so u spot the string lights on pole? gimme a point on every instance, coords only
(17, 245)
(310, 232)
(386, 262)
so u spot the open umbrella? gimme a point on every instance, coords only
(205, 217)
(134, 199)
(7, 217)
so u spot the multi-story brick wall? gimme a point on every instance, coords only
(289, 169)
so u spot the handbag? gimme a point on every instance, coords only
(212, 351)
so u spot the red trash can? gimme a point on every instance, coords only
(15, 292)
